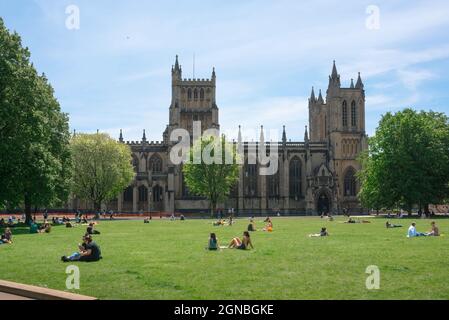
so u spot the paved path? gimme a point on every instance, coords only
(7, 296)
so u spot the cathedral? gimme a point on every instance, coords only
(314, 176)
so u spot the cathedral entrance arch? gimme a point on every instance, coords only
(158, 198)
(323, 203)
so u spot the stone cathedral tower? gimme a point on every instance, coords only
(192, 100)
(340, 122)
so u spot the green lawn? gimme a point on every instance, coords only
(167, 260)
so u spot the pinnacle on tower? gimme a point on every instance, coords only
(177, 63)
(306, 135)
(144, 137)
(213, 73)
(240, 135)
(262, 136)
(312, 95)
(352, 83)
(121, 136)
(284, 136)
(334, 71)
(359, 84)
(320, 98)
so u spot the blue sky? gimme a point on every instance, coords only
(114, 72)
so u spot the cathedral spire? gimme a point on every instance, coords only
(121, 136)
(359, 84)
(144, 137)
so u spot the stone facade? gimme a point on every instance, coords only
(314, 176)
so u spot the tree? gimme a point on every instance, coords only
(214, 179)
(102, 168)
(407, 163)
(34, 133)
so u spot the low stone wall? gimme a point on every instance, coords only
(37, 293)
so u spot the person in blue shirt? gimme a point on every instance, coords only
(413, 233)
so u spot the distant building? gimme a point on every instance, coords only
(316, 175)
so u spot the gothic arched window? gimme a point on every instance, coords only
(156, 164)
(135, 164)
(128, 195)
(202, 94)
(353, 114)
(143, 194)
(195, 94)
(350, 183)
(295, 178)
(189, 94)
(273, 185)
(345, 114)
(250, 180)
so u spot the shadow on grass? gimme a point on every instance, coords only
(21, 229)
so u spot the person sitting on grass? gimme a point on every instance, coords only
(435, 232)
(213, 243)
(268, 227)
(242, 244)
(6, 237)
(251, 226)
(34, 228)
(323, 233)
(146, 220)
(89, 251)
(412, 233)
(91, 230)
(390, 226)
(45, 228)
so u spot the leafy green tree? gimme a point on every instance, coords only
(212, 180)
(34, 133)
(102, 168)
(407, 163)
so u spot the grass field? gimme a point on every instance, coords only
(167, 260)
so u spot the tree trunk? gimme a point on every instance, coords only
(27, 202)
(97, 206)
(213, 207)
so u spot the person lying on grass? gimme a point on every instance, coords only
(89, 251)
(389, 225)
(213, 243)
(219, 223)
(45, 227)
(6, 237)
(323, 233)
(243, 244)
(357, 221)
(434, 232)
(91, 230)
